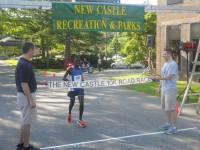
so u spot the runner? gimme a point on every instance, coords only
(75, 73)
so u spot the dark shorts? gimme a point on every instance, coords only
(73, 94)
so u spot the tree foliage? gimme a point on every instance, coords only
(36, 25)
(136, 48)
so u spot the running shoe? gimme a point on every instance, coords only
(69, 118)
(172, 130)
(81, 123)
(166, 126)
(20, 146)
(31, 147)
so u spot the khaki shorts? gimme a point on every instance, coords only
(168, 100)
(29, 115)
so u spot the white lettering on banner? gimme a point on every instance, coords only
(97, 83)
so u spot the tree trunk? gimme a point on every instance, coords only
(43, 46)
(67, 51)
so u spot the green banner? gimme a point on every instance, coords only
(97, 17)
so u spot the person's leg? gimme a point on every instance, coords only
(173, 118)
(20, 98)
(21, 134)
(166, 125)
(171, 107)
(26, 134)
(168, 116)
(163, 105)
(71, 95)
(81, 122)
(71, 104)
(29, 116)
(20, 145)
(81, 106)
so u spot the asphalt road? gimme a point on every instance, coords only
(116, 118)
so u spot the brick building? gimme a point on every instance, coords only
(173, 27)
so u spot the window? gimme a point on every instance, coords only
(173, 36)
(195, 30)
(171, 2)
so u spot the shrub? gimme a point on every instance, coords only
(40, 63)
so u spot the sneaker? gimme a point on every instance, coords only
(69, 118)
(31, 147)
(20, 146)
(166, 126)
(81, 123)
(172, 130)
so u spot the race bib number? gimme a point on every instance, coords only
(77, 78)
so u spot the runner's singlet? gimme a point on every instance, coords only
(76, 76)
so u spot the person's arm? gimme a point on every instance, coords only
(42, 83)
(171, 72)
(168, 77)
(68, 72)
(27, 92)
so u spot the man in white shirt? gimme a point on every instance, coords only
(168, 89)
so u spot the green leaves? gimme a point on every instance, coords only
(136, 48)
(36, 25)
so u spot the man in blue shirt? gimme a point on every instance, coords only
(168, 90)
(75, 73)
(26, 87)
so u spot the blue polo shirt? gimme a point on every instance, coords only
(24, 73)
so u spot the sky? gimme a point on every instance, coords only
(152, 2)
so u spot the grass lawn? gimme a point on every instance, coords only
(151, 87)
(12, 62)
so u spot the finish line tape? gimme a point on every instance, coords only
(97, 83)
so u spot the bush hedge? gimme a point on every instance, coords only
(40, 63)
(57, 63)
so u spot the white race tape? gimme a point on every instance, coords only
(97, 83)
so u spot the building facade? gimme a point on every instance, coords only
(173, 27)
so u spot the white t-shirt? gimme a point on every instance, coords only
(169, 67)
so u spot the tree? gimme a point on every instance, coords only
(36, 25)
(136, 48)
